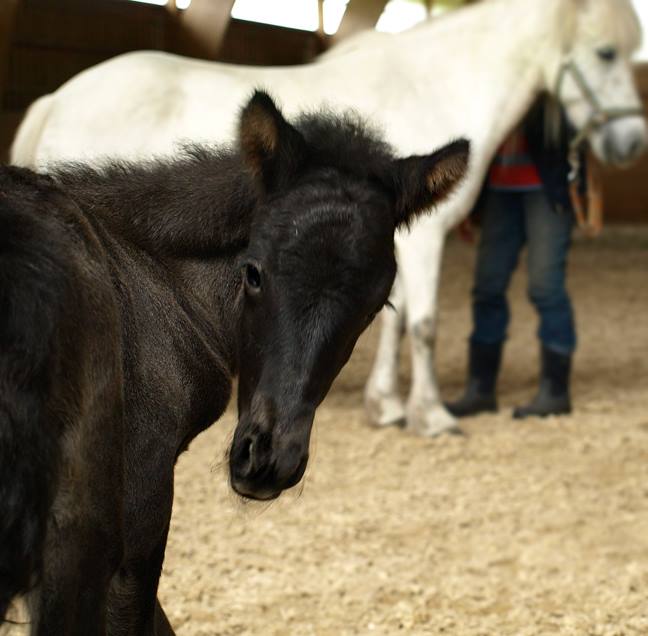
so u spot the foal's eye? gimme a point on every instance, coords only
(607, 53)
(252, 278)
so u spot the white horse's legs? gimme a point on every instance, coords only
(419, 261)
(382, 400)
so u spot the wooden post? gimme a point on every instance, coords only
(360, 15)
(320, 18)
(199, 30)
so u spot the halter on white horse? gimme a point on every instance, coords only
(600, 115)
(588, 207)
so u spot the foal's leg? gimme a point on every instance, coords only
(84, 538)
(419, 259)
(162, 625)
(72, 596)
(155, 622)
(134, 609)
(383, 403)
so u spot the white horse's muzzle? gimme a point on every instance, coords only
(621, 141)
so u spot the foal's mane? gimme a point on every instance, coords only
(196, 203)
(202, 201)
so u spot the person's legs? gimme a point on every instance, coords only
(549, 238)
(501, 239)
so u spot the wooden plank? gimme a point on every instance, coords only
(199, 30)
(114, 8)
(264, 44)
(360, 15)
(9, 121)
(102, 26)
(7, 19)
(641, 74)
(625, 192)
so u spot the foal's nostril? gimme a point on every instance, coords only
(247, 450)
(244, 458)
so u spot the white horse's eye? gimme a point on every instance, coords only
(607, 53)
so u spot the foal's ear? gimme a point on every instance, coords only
(424, 180)
(272, 149)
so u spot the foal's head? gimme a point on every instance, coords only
(319, 266)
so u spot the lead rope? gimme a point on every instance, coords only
(588, 207)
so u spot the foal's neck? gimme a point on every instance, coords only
(190, 219)
(199, 206)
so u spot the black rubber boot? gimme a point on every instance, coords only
(553, 395)
(483, 367)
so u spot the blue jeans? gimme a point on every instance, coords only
(510, 220)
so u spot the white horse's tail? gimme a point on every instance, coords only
(23, 148)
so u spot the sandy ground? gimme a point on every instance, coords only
(534, 528)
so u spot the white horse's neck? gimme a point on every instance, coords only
(505, 47)
(505, 50)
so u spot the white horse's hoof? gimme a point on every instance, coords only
(431, 421)
(384, 410)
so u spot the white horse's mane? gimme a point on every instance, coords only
(615, 19)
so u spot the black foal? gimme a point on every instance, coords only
(131, 295)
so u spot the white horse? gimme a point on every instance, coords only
(471, 73)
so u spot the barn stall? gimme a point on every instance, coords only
(535, 527)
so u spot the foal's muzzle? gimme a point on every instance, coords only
(264, 463)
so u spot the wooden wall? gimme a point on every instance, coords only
(253, 43)
(52, 41)
(49, 41)
(43, 43)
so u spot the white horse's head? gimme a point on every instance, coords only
(592, 76)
